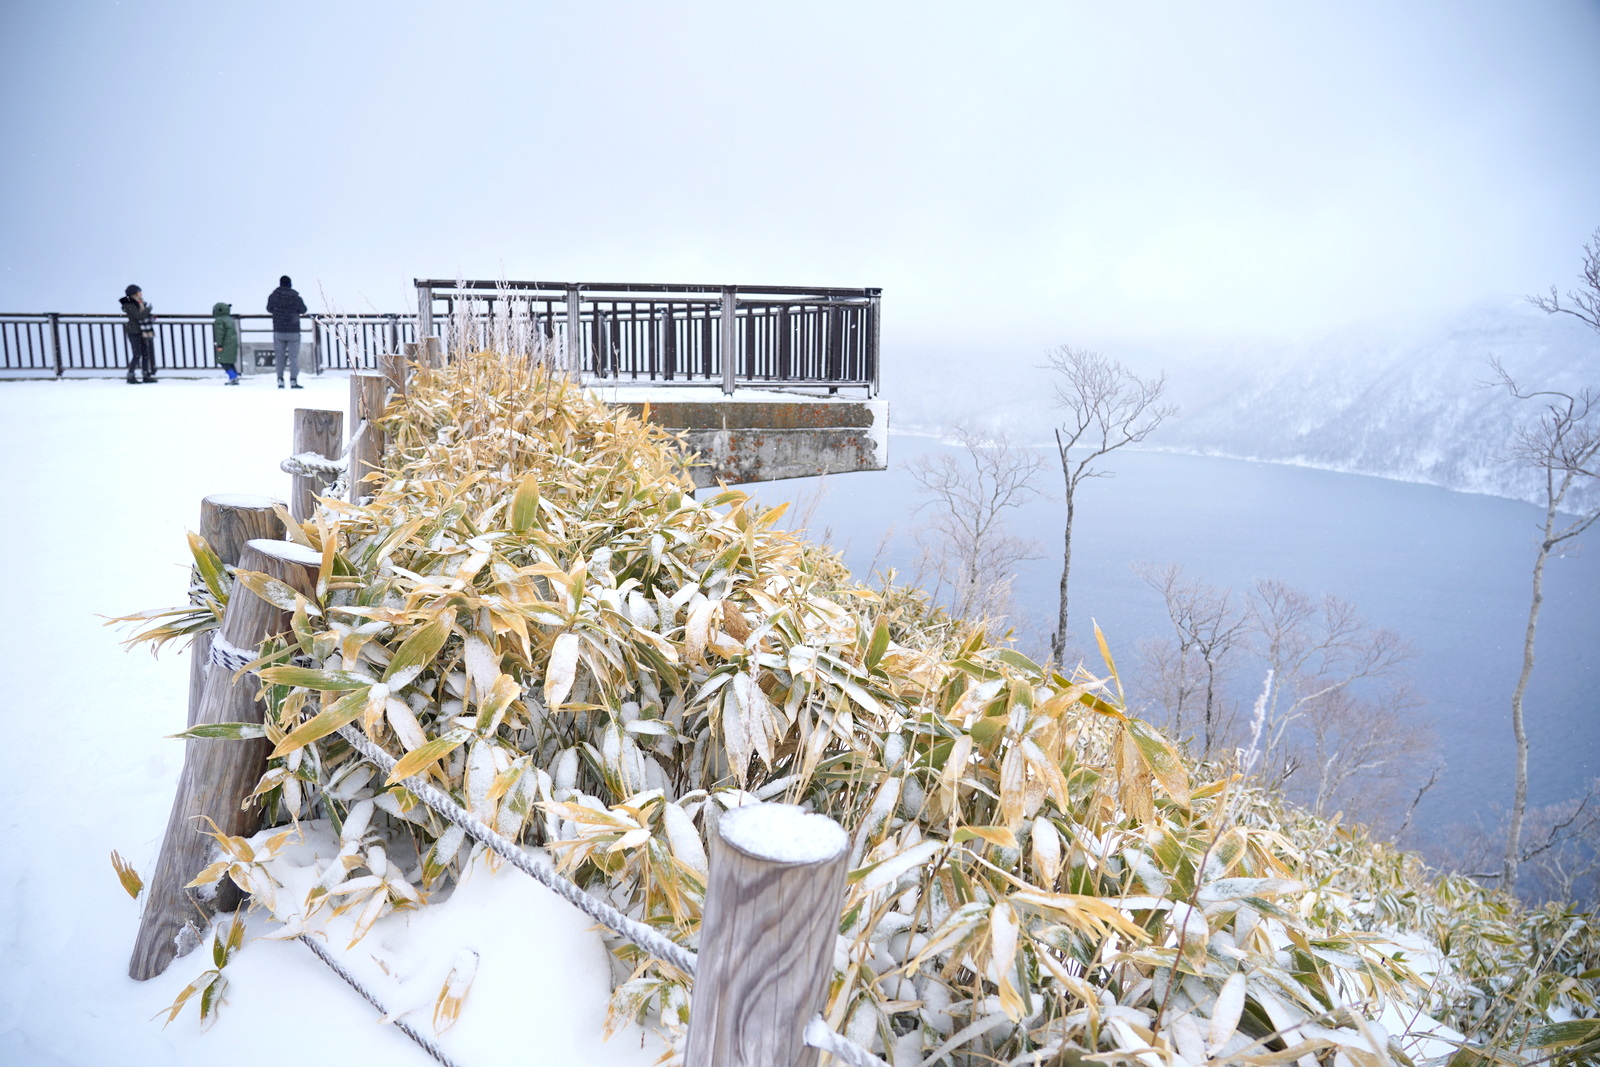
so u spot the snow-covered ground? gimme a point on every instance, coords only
(101, 482)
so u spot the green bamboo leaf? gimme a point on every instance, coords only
(1017, 659)
(417, 650)
(275, 592)
(324, 722)
(1162, 759)
(879, 644)
(210, 567)
(420, 758)
(226, 731)
(525, 505)
(1563, 1034)
(309, 678)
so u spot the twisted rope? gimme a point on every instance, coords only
(311, 465)
(819, 1036)
(598, 910)
(355, 983)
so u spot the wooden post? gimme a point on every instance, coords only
(424, 311)
(434, 352)
(227, 521)
(730, 336)
(218, 775)
(766, 940)
(367, 389)
(320, 432)
(394, 368)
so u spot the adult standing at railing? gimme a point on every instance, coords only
(286, 307)
(140, 330)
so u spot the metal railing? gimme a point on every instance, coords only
(617, 332)
(612, 333)
(57, 343)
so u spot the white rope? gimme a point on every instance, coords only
(841, 1048)
(355, 983)
(598, 910)
(312, 465)
(228, 655)
(817, 1033)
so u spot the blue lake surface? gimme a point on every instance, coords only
(1450, 572)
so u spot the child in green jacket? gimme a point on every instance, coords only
(225, 340)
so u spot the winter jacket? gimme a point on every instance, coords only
(141, 318)
(286, 307)
(224, 334)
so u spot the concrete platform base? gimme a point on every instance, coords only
(757, 436)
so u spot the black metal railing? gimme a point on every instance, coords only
(57, 343)
(671, 334)
(731, 336)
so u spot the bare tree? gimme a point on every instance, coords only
(1334, 726)
(1583, 303)
(1107, 406)
(1562, 444)
(966, 547)
(1208, 626)
(1316, 650)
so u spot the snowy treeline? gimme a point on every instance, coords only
(1407, 403)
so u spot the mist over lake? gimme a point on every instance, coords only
(1448, 571)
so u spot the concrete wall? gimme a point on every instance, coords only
(764, 437)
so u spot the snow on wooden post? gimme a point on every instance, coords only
(766, 941)
(218, 774)
(227, 521)
(367, 396)
(319, 432)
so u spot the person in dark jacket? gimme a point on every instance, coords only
(286, 307)
(225, 340)
(140, 329)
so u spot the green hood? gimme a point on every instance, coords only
(220, 309)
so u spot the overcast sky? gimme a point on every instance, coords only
(1010, 174)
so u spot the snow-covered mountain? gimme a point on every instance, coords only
(1403, 402)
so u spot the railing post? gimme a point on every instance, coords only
(574, 334)
(227, 521)
(874, 311)
(730, 336)
(367, 395)
(218, 775)
(766, 940)
(55, 341)
(424, 312)
(321, 433)
(394, 334)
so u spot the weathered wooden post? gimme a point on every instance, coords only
(367, 396)
(218, 775)
(766, 941)
(321, 433)
(227, 521)
(433, 349)
(394, 367)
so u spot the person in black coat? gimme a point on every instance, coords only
(140, 329)
(286, 307)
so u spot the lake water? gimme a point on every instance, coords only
(1450, 572)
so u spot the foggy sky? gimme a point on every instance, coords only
(1012, 175)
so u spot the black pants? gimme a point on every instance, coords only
(141, 356)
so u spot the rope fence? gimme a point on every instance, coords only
(751, 993)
